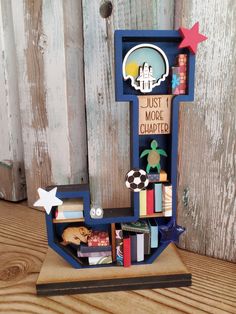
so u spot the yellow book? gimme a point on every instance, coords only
(143, 203)
(163, 176)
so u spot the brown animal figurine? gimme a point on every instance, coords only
(75, 235)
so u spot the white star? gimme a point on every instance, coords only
(48, 199)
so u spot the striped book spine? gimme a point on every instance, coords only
(158, 197)
(167, 200)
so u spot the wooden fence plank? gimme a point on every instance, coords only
(107, 120)
(51, 93)
(207, 148)
(12, 179)
(74, 53)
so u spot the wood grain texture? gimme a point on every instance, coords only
(12, 179)
(75, 84)
(154, 114)
(163, 266)
(107, 120)
(22, 251)
(51, 92)
(207, 147)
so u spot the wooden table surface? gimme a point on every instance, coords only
(23, 245)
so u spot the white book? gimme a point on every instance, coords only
(140, 247)
(68, 215)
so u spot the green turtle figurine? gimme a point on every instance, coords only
(154, 156)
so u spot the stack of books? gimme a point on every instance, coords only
(135, 240)
(156, 200)
(70, 209)
(98, 248)
(179, 75)
(182, 64)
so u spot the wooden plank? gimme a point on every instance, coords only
(58, 278)
(207, 148)
(51, 92)
(107, 120)
(12, 179)
(22, 251)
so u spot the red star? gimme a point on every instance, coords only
(191, 37)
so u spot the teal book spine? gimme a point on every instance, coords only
(153, 226)
(154, 237)
(158, 197)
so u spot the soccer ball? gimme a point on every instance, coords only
(136, 180)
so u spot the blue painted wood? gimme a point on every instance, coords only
(168, 41)
(66, 192)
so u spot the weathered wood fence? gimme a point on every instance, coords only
(60, 124)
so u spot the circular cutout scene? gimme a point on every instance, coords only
(146, 66)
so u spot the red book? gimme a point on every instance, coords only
(127, 252)
(98, 238)
(150, 202)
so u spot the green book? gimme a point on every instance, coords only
(138, 226)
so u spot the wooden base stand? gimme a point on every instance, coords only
(57, 277)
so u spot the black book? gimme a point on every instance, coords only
(133, 238)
